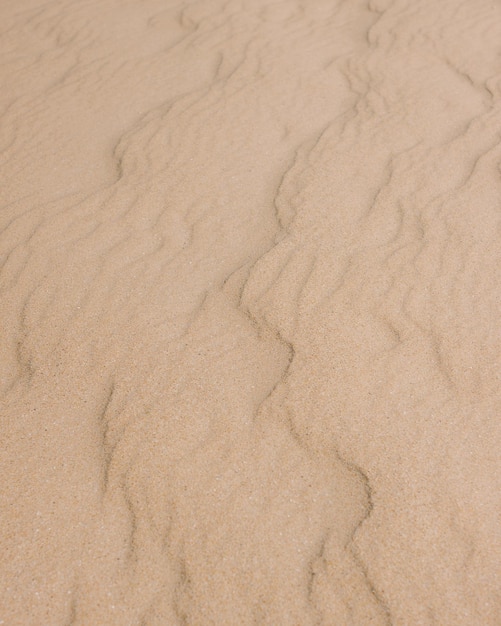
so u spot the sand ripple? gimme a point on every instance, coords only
(250, 312)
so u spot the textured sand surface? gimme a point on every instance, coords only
(250, 313)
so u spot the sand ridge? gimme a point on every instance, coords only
(250, 304)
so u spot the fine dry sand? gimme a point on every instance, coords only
(250, 314)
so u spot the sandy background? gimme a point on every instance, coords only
(250, 312)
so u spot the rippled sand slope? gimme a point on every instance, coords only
(250, 312)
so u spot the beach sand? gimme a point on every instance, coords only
(250, 313)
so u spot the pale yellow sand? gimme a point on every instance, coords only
(250, 312)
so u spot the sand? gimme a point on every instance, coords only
(250, 312)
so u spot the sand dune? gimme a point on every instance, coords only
(250, 312)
